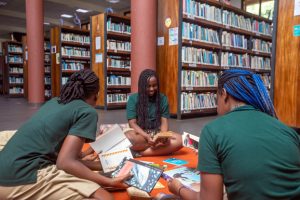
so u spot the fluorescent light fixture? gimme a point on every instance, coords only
(113, 1)
(66, 16)
(46, 23)
(82, 10)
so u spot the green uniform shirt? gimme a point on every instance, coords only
(257, 155)
(37, 143)
(132, 103)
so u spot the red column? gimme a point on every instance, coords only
(35, 44)
(143, 38)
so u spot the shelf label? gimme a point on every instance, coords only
(189, 88)
(258, 34)
(192, 65)
(190, 16)
(173, 36)
(186, 111)
(115, 50)
(296, 30)
(227, 26)
(227, 48)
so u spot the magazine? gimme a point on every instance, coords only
(189, 177)
(144, 176)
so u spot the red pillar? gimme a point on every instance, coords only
(35, 44)
(143, 38)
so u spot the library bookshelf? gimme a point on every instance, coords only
(13, 72)
(69, 52)
(203, 38)
(111, 50)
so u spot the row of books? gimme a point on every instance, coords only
(15, 59)
(235, 60)
(47, 93)
(16, 70)
(234, 20)
(117, 98)
(47, 45)
(260, 62)
(72, 66)
(198, 33)
(118, 27)
(118, 62)
(13, 79)
(118, 80)
(199, 56)
(75, 51)
(47, 80)
(261, 46)
(16, 90)
(202, 10)
(118, 45)
(195, 101)
(211, 13)
(234, 40)
(261, 27)
(47, 69)
(72, 37)
(14, 49)
(191, 78)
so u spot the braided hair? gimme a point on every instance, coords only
(247, 87)
(143, 102)
(80, 85)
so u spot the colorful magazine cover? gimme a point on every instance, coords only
(189, 177)
(144, 176)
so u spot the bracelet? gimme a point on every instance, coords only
(179, 190)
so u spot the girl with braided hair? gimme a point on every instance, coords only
(247, 149)
(147, 114)
(42, 160)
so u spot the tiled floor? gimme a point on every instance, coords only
(15, 111)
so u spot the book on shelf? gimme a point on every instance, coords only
(144, 176)
(189, 177)
(190, 141)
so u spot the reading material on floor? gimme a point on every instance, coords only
(190, 140)
(112, 140)
(144, 177)
(189, 177)
(111, 160)
(175, 161)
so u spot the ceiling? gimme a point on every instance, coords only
(13, 15)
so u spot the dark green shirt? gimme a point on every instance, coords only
(37, 143)
(257, 155)
(132, 103)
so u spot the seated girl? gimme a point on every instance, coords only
(247, 149)
(147, 114)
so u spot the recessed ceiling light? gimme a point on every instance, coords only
(113, 1)
(82, 10)
(3, 3)
(47, 23)
(66, 16)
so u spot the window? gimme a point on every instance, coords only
(263, 8)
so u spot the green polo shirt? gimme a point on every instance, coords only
(257, 155)
(37, 143)
(132, 103)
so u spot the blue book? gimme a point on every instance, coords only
(175, 161)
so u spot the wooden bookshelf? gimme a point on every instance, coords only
(13, 72)
(69, 52)
(171, 71)
(112, 63)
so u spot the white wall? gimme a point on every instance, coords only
(236, 3)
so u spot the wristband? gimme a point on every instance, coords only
(179, 190)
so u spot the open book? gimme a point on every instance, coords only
(144, 176)
(112, 147)
(189, 177)
(112, 139)
(190, 140)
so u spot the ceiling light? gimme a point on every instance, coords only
(2, 3)
(82, 10)
(66, 16)
(113, 1)
(46, 23)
